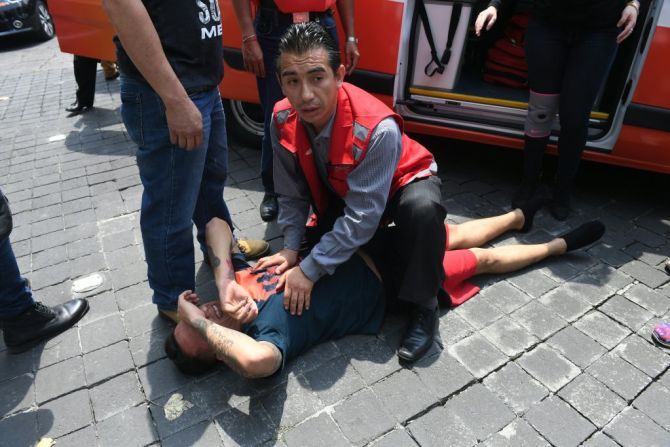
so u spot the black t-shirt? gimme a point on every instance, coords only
(191, 35)
(351, 301)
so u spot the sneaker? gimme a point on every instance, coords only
(40, 323)
(661, 334)
(253, 248)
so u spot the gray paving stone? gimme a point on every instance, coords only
(649, 299)
(442, 374)
(453, 328)
(133, 296)
(49, 257)
(17, 394)
(160, 378)
(132, 427)
(362, 418)
(621, 377)
(480, 411)
(396, 438)
(370, 356)
(592, 399)
(288, 405)
(478, 355)
(21, 429)
(549, 367)
(478, 313)
(221, 391)
(246, 425)
(600, 440)
(558, 423)
(647, 275)
(107, 362)
(116, 395)
(508, 336)
(59, 348)
(101, 333)
(538, 319)
(438, 425)
(334, 380)
(576, 346)
(646, 357)
(393, 392)
(592, 291)
(654, 403)
(203, 434)
(626, 312)
(128, 276)
(59, 379)
(84, 437)
(100, 306)
(609, 254)
(603, 329)
(317, 432)
(517, 434)
(533, 282)
(65, 414)
(13, 365)
(149, 347)
(565, 303)
(192, 414)
(505, 296)
(633, 428)
(143, 319)
(515, 387)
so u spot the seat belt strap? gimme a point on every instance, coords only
(453, 25)
(439, 68)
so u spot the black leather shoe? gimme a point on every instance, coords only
(76, 109)
(40, 323)
(419, 335)
(269, 207)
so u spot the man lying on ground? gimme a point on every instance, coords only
(255, 335)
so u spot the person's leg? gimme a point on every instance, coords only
(510, 258)
(210, 201)
(589, 61)
(171, 177)
(110, 69)
(268, 32)
(476, 233)
(546, 51)
(84, 73)
(418, 214)
(15, 294)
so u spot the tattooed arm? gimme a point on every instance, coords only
(244, 355)
(234, 299)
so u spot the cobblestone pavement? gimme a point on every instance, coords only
(558, 354)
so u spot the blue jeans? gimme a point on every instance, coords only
(574, 64)
(269, 29)
(180, 187)
(15, 295)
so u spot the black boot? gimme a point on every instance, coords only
(77, 109)
(420, 334)
(529, 209)
(40, 323)
(269, 207)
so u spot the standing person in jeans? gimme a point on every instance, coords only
(570, 46)
(170, 56)
(24, 321)
(260, 43)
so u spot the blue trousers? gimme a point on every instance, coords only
(180, 187)
(270, 27)
(15, 295)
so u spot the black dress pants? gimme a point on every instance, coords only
(408, 254)
(84, 73)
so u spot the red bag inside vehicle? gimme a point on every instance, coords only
(505, 62)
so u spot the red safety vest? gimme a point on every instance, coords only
(290, 6)
(357, 115)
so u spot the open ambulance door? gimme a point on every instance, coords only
(459, 99)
